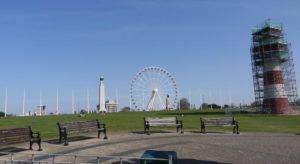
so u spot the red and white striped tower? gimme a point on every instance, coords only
(273, 69)
(275, 97)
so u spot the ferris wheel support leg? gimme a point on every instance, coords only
(150, 105)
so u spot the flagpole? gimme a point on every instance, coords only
(88, 100)
(5, 107)
(130, 106)
(73, 106)
(24, 98)
(57, 102)
(117, 99)
(41, 102)
(190, 99)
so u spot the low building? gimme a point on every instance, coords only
(40, 110)
(111, 106)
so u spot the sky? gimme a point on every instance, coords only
(69, 44)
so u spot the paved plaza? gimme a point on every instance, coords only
(190, 148)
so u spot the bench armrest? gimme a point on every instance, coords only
(102, 125)
(179, 122)
(201, 121)
(36, 135)
(234, 121)
(145, 121)
(60, 129)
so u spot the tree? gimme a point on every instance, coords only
(184, 104)
(125, 109)
(2, 114)
(254, 104)
(226, 106)
(298, 102)
(214, 106)
(83, 111)
(204, 105)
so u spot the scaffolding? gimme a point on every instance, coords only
(269, 43)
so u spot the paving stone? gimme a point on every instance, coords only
(190, 147)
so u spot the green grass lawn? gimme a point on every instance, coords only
(133, 121)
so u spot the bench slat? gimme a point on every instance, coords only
(80, 126)
(12, 136)
(222, 121)
(160, 119)
(218, 121)
(165, 121)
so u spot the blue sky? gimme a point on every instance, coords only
(68, 44)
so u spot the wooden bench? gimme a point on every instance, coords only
(223, 121)
(20, 135)
(166, 121)
(76, 128)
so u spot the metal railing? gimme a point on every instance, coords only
(52, 158)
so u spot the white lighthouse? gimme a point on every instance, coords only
(102, 95)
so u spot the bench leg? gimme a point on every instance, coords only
(105, 136)
(237, 129)
(60, 138)
(38, 142)
(66, 140)
(40, 145)
(30, 145)
(148, 130)
(181, 128)
(203, 130)
(66, 143)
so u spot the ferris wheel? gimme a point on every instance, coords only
(154, 88)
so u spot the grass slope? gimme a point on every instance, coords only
(133, 121)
